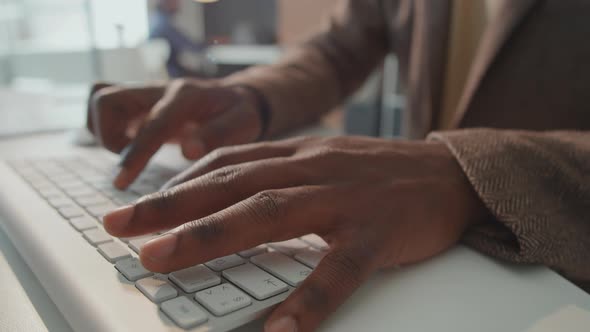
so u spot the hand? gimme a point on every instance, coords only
(201, 115)
(377, 203)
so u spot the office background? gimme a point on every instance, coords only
(55, 48)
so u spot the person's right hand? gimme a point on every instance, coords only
(199, 115)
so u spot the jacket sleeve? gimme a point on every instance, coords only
(537, 187)
(318, 75)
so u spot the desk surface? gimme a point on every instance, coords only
(459, 291)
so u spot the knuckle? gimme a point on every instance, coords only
(205, 230)
(267, 207)
(159, 202)
(224, 177)
(343, 270)
(219, 156)
(100, 100)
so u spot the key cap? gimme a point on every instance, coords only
(136, 244)
(60, 202)
(261, 249)
(124, 197)
(287, 269)
(289, 247)
(79, 191)
(156, 289)
(184, 313)
(71, 212)
(255, 281)
(98, 211)
(96, 236)
(223, 299)
(132, 269)
(83, 223)
(310, 257)
(50, 192)
(91, 200)
(113, 251)
(42, 184)
(224, 263)
(194, 278)
(315, 241)
(143, 188)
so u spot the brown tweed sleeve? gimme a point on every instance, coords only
(537, 187)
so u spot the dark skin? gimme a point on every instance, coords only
(378, 203)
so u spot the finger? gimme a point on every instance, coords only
(114, 109)
(93, 90)
(158, 127)
(228, 128)
(337, 276)
(269, 216)
(203, 196)
(231, 155)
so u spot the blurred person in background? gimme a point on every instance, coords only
(163, 27)
(498, 156)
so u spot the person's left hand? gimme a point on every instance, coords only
(377, 203)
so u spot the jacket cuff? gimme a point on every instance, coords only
(519, 177)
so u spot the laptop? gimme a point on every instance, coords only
(51, 205)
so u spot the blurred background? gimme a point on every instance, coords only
(51, 51)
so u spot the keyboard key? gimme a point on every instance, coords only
(91, 200)
(137, 243)
(255, 281)
(42, 184)
(50, 192)
(83, 223)
(123, 198)
(289, 247)
(184, 313)
(156, 289)
(224, 263)
(79, 191)
(98, 211)
(70, 212)
(113, 251)
(60, 202)
(143, 188)
(195, 278)
(132, 269)
(315, 241)
(287, 269)
(223, 299)
(96, 236)
(310, 257)
(261, 249)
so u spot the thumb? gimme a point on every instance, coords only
(337, 276)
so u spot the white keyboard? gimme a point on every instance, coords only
(215, 296)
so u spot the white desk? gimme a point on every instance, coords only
(460, 291)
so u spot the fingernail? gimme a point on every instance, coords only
(123, 154)
(122, 178)
(118, 220)
(284, 324)
(160, 248)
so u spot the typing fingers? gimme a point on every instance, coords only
(231, 155)
(269, 216)
(203, 196)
